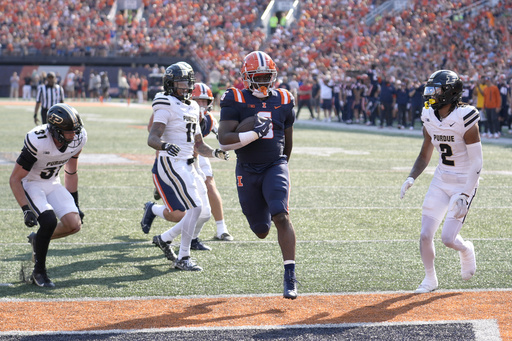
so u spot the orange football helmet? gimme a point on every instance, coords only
(259, 73)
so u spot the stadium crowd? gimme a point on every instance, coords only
(330, 41)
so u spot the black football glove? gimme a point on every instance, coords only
(262, 126)
(220, 154)
(171, 148)
(29, 216)
(80, 213)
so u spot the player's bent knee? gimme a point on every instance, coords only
(281, 219)
(71, 223)
(262, 235)
(426, 238)
(174, 216)
(448, 242)
(261, 230)
(48, 220)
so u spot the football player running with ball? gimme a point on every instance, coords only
(451, 127)
(36, 185)
(262, 176)
(176, 135)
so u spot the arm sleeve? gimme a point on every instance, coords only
(26, 160)
(475, 155)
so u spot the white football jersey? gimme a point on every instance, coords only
(50, 159)
(447, 136)
(181, 123)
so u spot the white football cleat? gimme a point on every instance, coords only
(467, 262)
(426, 286)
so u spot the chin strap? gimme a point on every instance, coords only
(260, 94)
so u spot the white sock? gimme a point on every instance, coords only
(158, 210)
(199, 225)
(173, 232)
(430, 275)
(189, 223)
(221, 227)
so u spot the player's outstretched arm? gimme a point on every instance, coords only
(205, 150)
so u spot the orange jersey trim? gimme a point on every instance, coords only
(239, 96)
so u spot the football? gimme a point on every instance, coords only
(246, 125)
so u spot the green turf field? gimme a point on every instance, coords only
(354, 234)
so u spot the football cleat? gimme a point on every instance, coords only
(32, 240)
(467, 262)
(148, 217)
(290, 285)
(187, 264)
(196, 244)
(426, 286)
(165, 247)
(41, 279)
(225, 237)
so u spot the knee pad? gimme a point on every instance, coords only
(47, 223)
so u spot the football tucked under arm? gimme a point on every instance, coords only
(246, 134)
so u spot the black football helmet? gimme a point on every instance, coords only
(179, 76)
(442, 88)
(64, 118)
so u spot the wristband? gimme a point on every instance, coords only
(25, 208)
(75, 197)
(247, 137)
(163, 146)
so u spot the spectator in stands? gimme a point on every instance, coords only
(273, 22)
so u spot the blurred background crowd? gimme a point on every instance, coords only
(347, 50)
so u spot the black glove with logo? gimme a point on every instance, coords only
(80, 213)
(29, 216)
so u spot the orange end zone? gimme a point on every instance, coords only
(257, 311)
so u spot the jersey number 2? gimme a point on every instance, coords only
(446, 152)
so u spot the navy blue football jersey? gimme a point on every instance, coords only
(237, 105)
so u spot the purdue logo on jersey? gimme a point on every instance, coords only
(190, 118)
